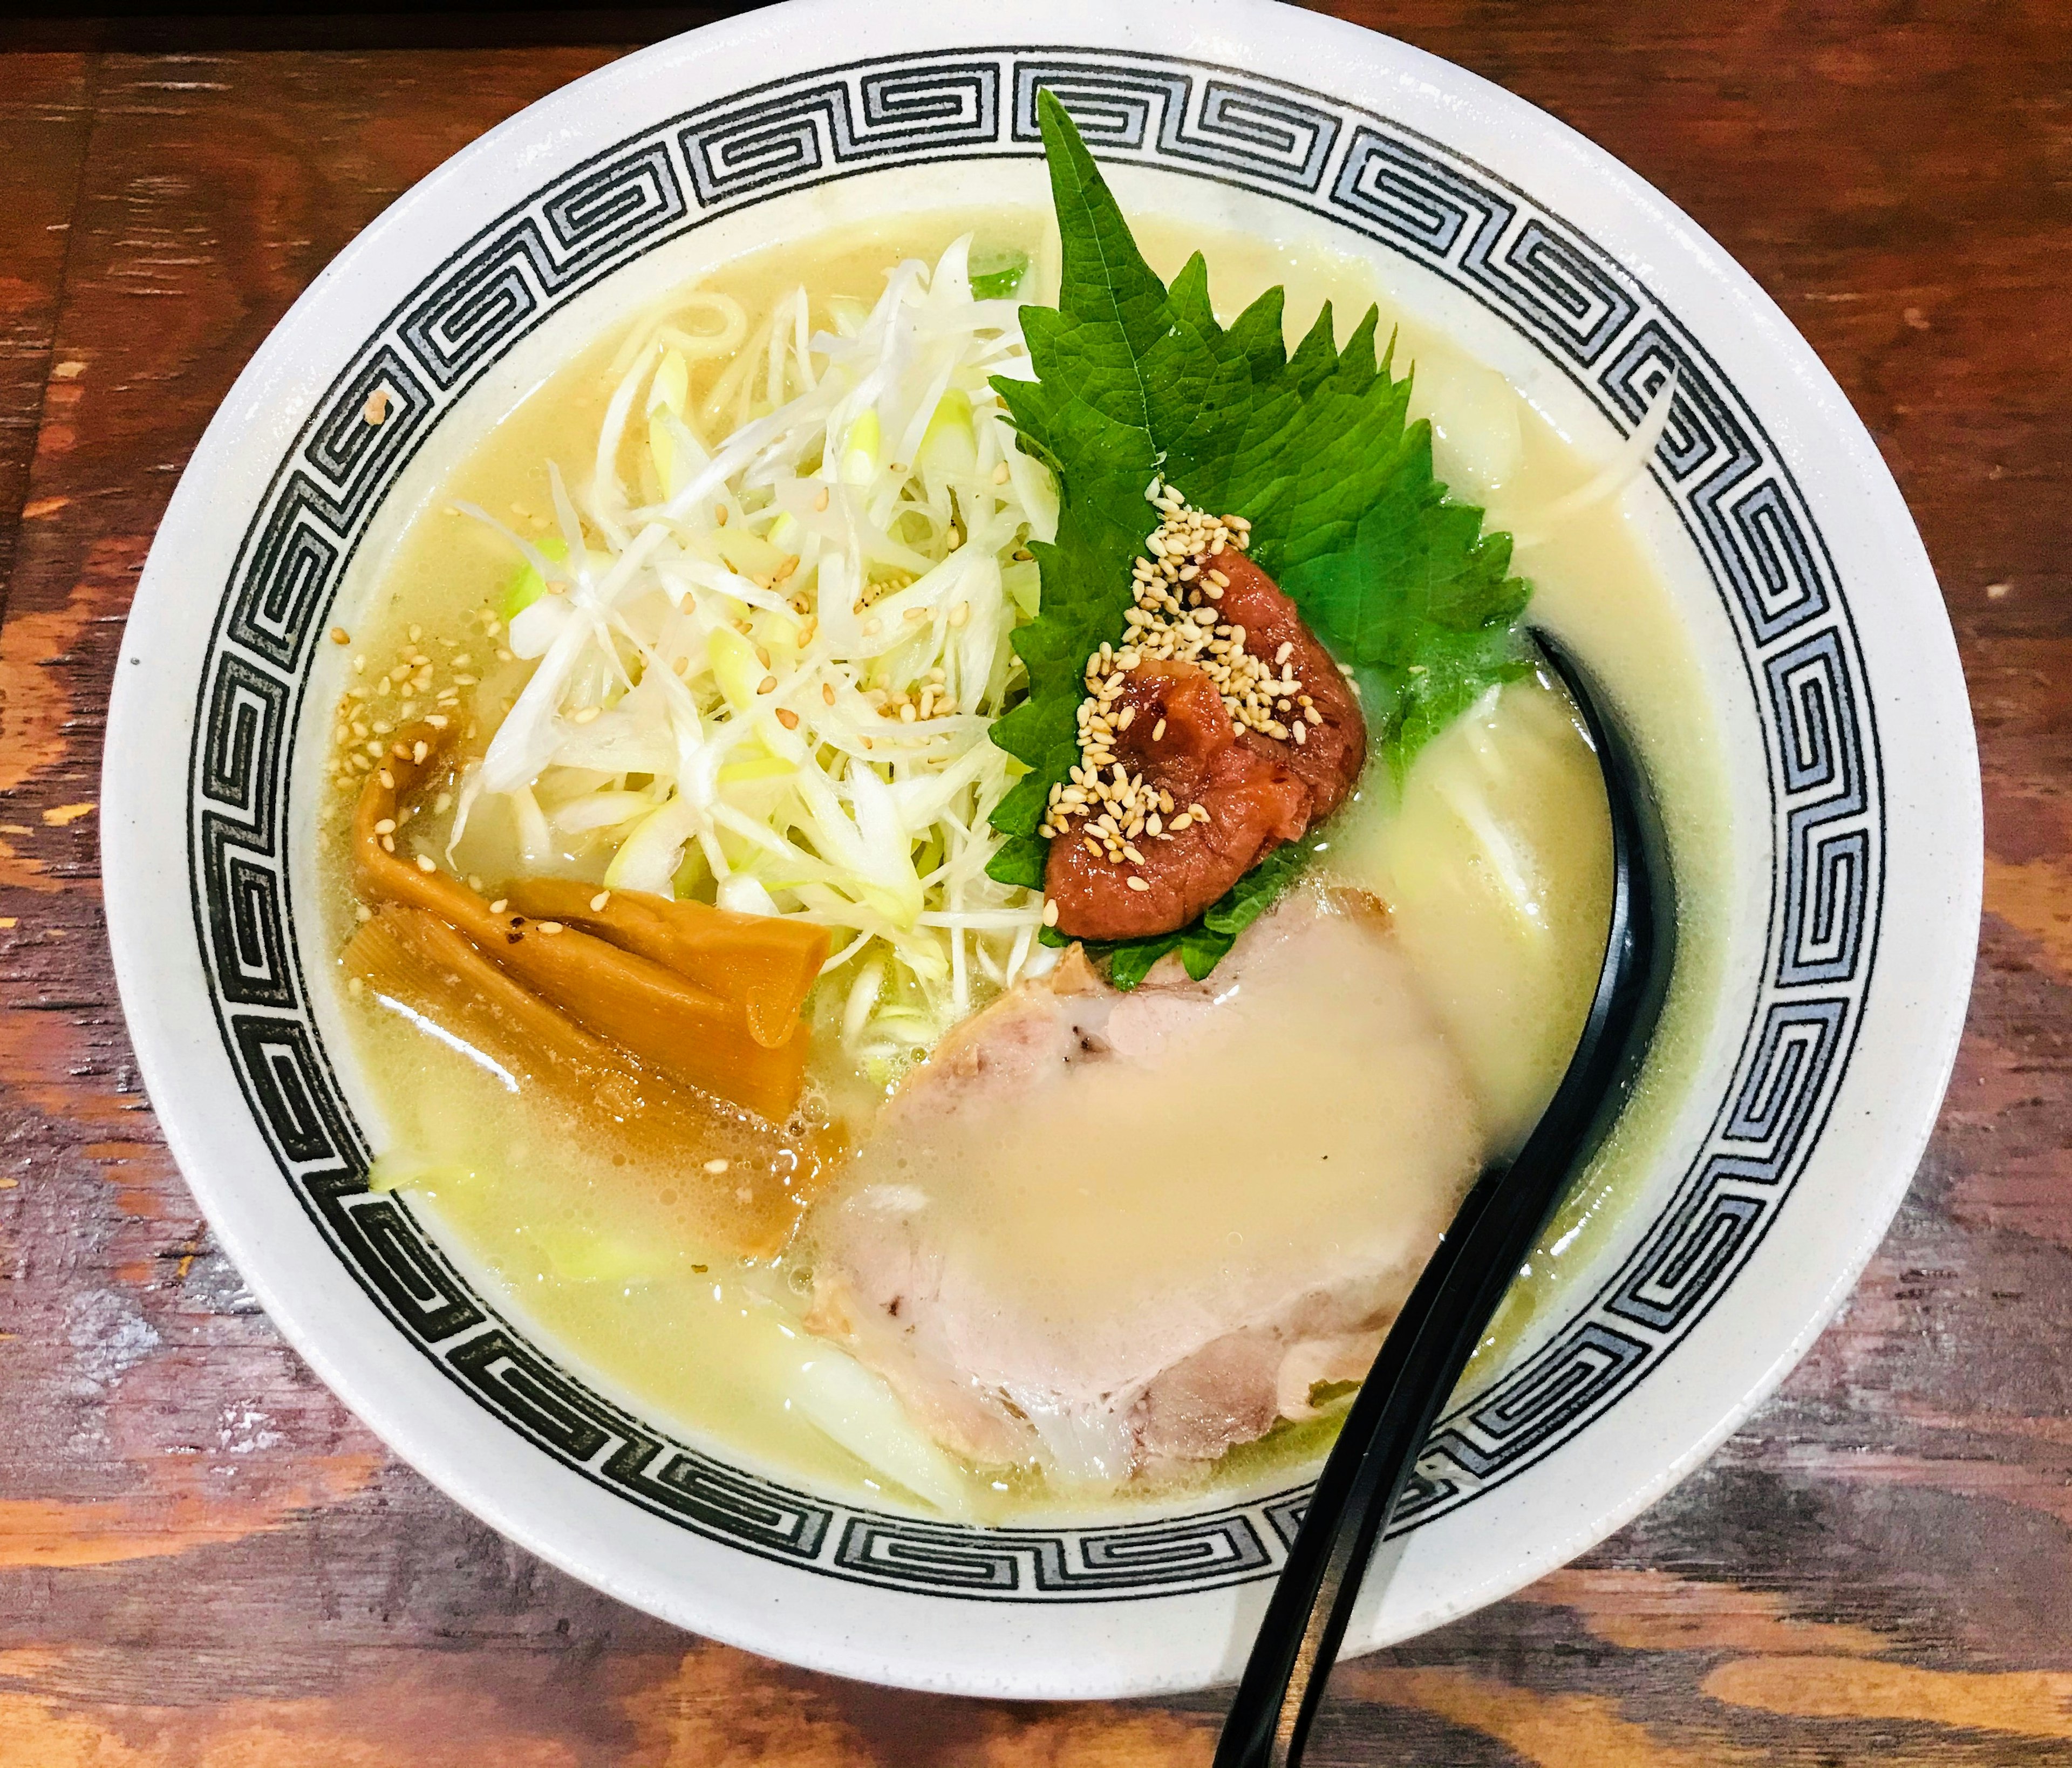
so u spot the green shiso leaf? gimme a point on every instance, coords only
(1136, 380)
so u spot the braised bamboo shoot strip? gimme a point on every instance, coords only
(749, 1191)
(693, 1033)
(766, 964)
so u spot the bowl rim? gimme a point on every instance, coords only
(276, 398)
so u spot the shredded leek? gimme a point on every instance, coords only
(763, 663)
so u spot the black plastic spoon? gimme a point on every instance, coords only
(1455, 1299)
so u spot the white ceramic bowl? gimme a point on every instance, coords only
(1816, 620)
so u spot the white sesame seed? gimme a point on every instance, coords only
(597, 901)
(426, 863)
(716, 1166)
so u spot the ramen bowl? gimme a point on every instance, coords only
(1848, 794)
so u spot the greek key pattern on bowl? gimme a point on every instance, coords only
(1589, 318)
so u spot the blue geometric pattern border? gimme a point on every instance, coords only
(1585, 312)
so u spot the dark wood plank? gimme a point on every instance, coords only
(43, 110)
(203, 1559)
(154, 27)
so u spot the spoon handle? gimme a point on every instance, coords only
(1454, 1300)
(1368, 1467)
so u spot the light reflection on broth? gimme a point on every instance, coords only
(1491, 861)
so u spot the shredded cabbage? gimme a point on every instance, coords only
(764, 670)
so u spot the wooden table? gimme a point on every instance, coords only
(203, 1559)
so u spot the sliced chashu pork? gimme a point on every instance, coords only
(1113, 1232)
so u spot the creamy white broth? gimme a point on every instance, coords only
(1491, 859)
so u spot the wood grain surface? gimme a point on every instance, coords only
(205, 1560)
